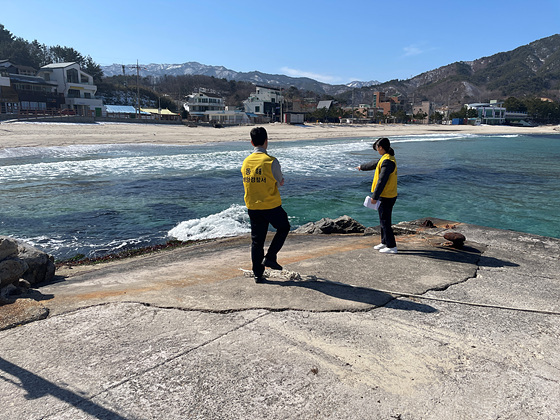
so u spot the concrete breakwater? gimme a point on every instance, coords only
(431, 332)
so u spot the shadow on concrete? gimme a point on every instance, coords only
(38, 387)
(32, 294)
(466, 255)
(36, 295)
(348, 292)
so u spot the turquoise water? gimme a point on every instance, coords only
(101, 199)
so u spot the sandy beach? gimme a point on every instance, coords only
(22, 134)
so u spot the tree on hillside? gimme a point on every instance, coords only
(543, 112)
(65, 55)
(93, 69)
(513, 104)
(36, 55)
(5, 36)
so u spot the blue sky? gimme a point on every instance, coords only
(331, 41)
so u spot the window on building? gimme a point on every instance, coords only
(72, 76)
(73, 93)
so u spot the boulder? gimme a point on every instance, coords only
(8, 247)
(342, 224)
(11, 270)
(22, 265)
(40, 265)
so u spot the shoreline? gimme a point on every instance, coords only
(30, 134)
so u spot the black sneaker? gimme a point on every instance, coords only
(272, 264)
(259, 279)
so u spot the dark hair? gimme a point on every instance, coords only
(385, 144)
(258, 136)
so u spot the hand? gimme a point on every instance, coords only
(282, 182)
(359, 168)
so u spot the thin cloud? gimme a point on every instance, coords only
(412, 50)
(315, 76)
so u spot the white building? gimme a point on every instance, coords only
(266, 101)
(199, 104)
(229, 117)
(76, 85)
(493, 113)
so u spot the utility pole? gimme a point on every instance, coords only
(137, 67)
(137, 91)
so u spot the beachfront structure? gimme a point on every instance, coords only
(265, 102)
(381, 103)
(228, 117)
(21, 92)
(9, 67)
(199, 104)
(425, 107)
(492, 114)
(161, 114)
(8, 98)
(292, 117)
(76, 86)
(124, 112)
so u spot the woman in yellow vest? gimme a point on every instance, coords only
(262, 175)
(384, 190)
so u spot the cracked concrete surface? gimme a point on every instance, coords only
(183, 334)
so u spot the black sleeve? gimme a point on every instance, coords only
(387, 168)
(370, 166)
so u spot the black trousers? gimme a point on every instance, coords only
(385, 213)
(260, 219)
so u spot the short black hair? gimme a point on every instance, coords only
(259, 136)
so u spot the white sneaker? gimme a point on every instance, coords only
(380, 246)
(388, 250)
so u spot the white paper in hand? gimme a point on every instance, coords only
(370, 205)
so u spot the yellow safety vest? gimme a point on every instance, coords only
(390, 189)
(261, 189)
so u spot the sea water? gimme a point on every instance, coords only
(101, 199)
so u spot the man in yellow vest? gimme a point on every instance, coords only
(262, 176)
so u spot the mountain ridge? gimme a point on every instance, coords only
(257, 77)
(532, 69)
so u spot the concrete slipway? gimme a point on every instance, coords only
(429, 333)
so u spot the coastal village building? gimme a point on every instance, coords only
(124, 112)
(229, 117)
(293, 117)
(21, 92)
(161, 114)
(265, 102)
(425, 107)
(76, 86)
(381, 103)
(492, 114)
(199, 104)
(8, 98)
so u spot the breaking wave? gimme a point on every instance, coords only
(230, 222)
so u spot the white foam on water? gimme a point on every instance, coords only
(230, 222)
(125, 166)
